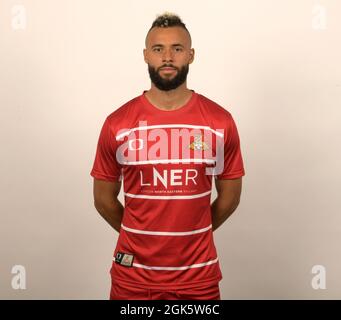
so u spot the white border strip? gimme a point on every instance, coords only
(126, 133)
(163, 233)
(143, 196)
(197, 265)
(194, 160)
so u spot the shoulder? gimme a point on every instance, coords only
(123, 115)
(123, 111)
(217, 112)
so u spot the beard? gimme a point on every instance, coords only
(168, 84)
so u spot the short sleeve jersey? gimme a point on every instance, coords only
(166, 160)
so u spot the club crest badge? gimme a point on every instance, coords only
(198, 144)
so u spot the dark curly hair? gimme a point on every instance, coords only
(167, 20)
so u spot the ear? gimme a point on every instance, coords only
(145, 56)
(191, 56)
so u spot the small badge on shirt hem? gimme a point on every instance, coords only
(124, 259)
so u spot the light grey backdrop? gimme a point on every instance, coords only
(275, 65)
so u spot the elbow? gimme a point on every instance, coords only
(228, 205)
(99, 205)
(103, 204)
(234, 204)
(237, 201)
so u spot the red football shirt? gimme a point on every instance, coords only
(166, 239)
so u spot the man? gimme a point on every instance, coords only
(165, 248)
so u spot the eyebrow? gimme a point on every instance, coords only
(173, 45)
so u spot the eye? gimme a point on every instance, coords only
(178, 49)
(157, 49)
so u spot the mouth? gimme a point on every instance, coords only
(167, 69)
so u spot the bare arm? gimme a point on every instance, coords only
(227, 201)
(106, 202)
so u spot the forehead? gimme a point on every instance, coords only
(166, 36)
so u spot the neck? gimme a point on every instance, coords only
(169, 100)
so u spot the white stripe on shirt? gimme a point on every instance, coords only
(143, 196)
(164, 233)
(126, 133)
(197, 265)
(194, 160)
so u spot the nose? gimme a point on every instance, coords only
(167, 55)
